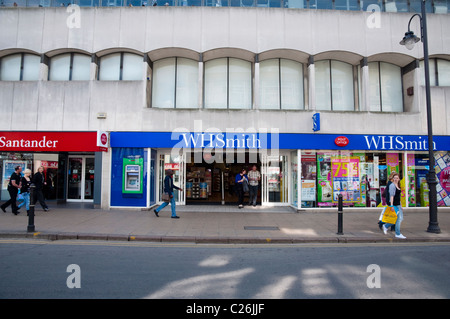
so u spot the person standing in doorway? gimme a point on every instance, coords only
(168, 188)
(13, 189)
(254, 176)
(394, 201)
(239, 181)
(39, 182)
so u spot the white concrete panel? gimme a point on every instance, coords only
(6, 105)
(30, 29)
(76, 105)
(9, 19)
(55, 29)
(132, 28)
(50, 106)
(107, 29)
(25, 106)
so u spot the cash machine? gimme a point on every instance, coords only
(133, 169)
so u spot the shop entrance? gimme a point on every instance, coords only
(80, 186)
(212, 182)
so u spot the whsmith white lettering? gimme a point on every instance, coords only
(22, 143)
(391, 142)
(219, 140)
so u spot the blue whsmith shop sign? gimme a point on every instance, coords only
(244, 140)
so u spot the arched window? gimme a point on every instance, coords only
(121, 67)
(385, 93)
(175, 83)
(70, 67)
(439, 72)
(228, 84)
(334, 86)
(20, 67)
(281, 84)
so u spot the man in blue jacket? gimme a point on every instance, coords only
(168, 188)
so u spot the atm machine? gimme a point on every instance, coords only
(133, 169)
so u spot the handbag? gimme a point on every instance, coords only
(245, 186)
(389, 216)
(165, 197)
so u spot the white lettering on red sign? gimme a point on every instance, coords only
(43, 143)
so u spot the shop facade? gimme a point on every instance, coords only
(300, 170)
(71, 162)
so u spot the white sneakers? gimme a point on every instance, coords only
(396, 236)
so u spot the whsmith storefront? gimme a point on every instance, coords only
(301, 170)
(71, 162)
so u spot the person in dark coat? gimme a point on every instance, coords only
(39, 182)
(13, 189)
(168, 188)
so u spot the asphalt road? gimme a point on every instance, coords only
(84, 269)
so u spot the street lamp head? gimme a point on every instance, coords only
(409, 40)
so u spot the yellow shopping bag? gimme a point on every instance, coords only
(389, 216)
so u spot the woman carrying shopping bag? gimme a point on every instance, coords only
(394, 201)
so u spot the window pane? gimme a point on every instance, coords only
(342, 84)
(81, 67)
(269, 91)
(346, 4)
(432, 72)
(31, 65)
(187, 83)
(110, 67)
(374, 87)
(323, 89)
(163, 92)
(240, 85)
(132, 67)
(444, 72)
(216, 83)
(10, 67)
(291, 85)
(60, 68)
(391, 88)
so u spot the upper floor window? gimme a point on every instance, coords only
(385, 92)
(439, 72)
(20, 67)
(281, 84)
(228, 84)
(121, 67)
(70, 67)
(175, 83)
(334, 86)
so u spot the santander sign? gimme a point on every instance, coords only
(341, 141)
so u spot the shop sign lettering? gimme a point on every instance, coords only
(24, 143)
(399, 143)
(341, 141)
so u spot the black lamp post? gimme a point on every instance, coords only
(408, 41)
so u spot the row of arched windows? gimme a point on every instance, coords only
(228, 83)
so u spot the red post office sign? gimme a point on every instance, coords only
(49, 142)
(341, 141)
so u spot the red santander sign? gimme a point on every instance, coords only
(49, 141)
(341, 141)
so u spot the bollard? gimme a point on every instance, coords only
(340, 216)
(30, 227)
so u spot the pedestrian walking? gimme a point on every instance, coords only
(39, 181)
(240, 181)
(25, 189)
(168, 188)
(254, 176)
(394, 201)
(13, 189)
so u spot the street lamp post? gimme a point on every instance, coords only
(408, 41)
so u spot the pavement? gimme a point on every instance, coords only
(220, 224)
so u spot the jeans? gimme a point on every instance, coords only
(26, 200)
(253, 192)
(172, 206)
(399, 212)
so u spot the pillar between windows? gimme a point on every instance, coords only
(364, 100)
